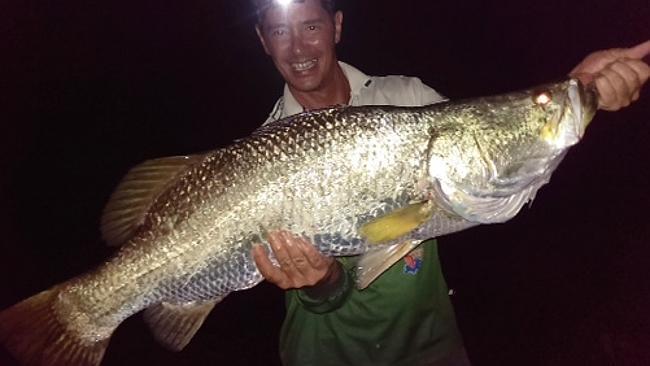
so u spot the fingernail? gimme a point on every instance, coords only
(284, 234)
(288, 239)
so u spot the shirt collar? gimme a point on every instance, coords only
(356, 79)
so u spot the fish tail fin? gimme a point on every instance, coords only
(33, 333)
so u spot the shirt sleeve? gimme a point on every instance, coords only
(337, 297)
(424, 94)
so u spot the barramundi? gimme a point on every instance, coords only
(368, 181)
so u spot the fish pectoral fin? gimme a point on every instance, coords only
(377, 261)
(174, 325)
(397, 223)
(491, 210)
(133, 197)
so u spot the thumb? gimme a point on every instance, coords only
(637, 52)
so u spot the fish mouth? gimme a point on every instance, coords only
(583, 100)
(589, 95)
(578, 107)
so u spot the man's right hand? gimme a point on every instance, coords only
(618, 74)
(301, 265)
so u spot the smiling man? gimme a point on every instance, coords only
(301, 40)
(405, 316)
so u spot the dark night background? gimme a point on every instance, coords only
(89, 89)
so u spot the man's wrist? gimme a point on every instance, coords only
(329, 285)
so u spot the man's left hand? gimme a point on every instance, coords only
(617, 73)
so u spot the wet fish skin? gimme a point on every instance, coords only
(324, 175)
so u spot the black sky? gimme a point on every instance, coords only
(89, 89)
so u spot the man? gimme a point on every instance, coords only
(405, 317)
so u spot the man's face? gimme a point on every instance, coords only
(301, 39)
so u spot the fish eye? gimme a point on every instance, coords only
(542, 98)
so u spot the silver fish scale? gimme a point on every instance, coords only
(284, 179)
(321, 175)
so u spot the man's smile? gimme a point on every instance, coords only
(304, 65)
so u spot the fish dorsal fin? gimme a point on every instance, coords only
(378, 260)
(135, 194)
(397, 223)
(174, 325)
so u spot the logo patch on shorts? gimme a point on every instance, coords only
(413, 261)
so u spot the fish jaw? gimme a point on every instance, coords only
(578, 111)
(585, 101)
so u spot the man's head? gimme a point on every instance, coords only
(300, 36)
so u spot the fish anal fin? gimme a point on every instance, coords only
(378, 260)
(34, 335)
(174, 325)
(135, 194)
(397, 223)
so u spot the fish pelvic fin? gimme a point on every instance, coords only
(33, 333)
(138, 190)
(174, 325)
(377, 260)
(397, 223)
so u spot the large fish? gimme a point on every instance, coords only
(372, 181)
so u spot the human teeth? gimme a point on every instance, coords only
(302, 66)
